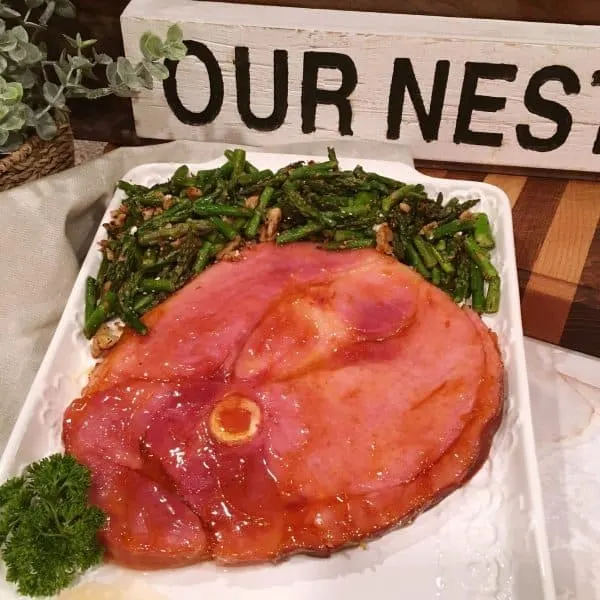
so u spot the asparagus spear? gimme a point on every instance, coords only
(477, 289)
(479, 257)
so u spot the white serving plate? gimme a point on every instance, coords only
(486, 540)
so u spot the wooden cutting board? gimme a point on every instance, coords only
(557, 239)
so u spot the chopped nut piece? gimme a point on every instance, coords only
(193, 192)
(467, 215)
(230, 252)
(110, 255)
(428, 228)
(106, 337)
(404, 207)
(147, 213)
(269, 229)
(168, 201)
(383, 238)
(251, 201)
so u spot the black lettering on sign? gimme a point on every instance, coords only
(470, 101)
(215, 78)
(312, 95)
(403, 79)
(280, 90)
(538, 105)
(596, 83)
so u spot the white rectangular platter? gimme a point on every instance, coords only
(485, 541)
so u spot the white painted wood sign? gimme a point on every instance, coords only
(458, 90)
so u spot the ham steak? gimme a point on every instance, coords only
(295, 401)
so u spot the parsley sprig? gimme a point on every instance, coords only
(48, 531)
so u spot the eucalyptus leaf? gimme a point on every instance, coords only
(122, 90)
(63, 60)
(80, 62)
(101, 59)
(18, 54)
(60, 73)
(45, 126)
(157, 70)
(3, 64)
(65, 8)
(71, 41)
(3, 139)
(20, 33)
(2, 26)
(125, 69)
(4, 110)
(12, 93)
(111, 74)
(33, 55)
(7, 42)
(29, 115)
(174, 33)
(97, 93)
(27, 78)
(51, 92)
(145, 76)
(8, 13)
(13, 122)
(87, 43)
(151, 45)
(174, 50)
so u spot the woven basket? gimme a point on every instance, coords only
(36, 158)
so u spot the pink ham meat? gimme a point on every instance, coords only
(295, 401)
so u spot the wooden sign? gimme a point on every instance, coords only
(462, 90)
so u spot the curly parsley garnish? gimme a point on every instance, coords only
(48, 531)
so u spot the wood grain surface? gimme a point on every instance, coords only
(557, 241)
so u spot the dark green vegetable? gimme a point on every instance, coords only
(143, 304)
(483, 232)
(131, 319)
(164, 235)
(349, 244)
(451, 228)
(91, 294)
(462, 281)
(100, 314)
(263, 203)
(492, 298)
(415, 260)
(298, 233)
(477, 289)
(225, 229)
(203, 209)
(203, 257)
(478, 256)
(425, 250)
(48, 532)
(157, 285)
(312, 170)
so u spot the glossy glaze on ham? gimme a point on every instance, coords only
(295, 401)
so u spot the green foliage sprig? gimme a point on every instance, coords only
(35, 88)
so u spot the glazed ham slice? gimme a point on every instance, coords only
(295, 401)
